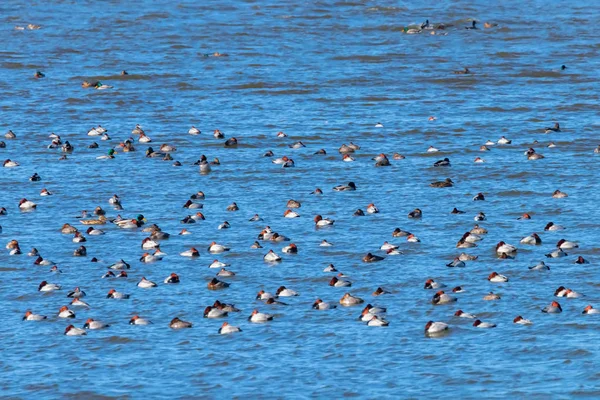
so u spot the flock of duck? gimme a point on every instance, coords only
(95, 223)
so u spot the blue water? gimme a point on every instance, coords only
(324, 73)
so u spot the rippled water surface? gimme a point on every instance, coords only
(324, 73)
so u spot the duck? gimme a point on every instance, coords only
(502, 247)
(587, 310)
(320, 152)
(442, 184)
(525, 216)
(464, 71)
(321, 305)
(358, 213)
(93, 324)
(380, 291)
(479, 197)
(102, 86)
(317, 192)
(491, 296)
(25, 204)
(68, 229)
(496, 277)
(225, 307)
(457, 211)
(540, 266)
(282, 291)
(557, 253)
(76, 293)
(522, 321)
(387, 246)
(79, 238)
(553, 308)
(377, 321)
(226, 273)
(330, 268)
(191, 205)
(557, 194)
(416, 213)
(531, 239)
(372, 209)
(381, 161)
(479, 324)
(464, 243)
(348, 300)
(566, 245)
(550, 226)
(146, 284)
(456, 263)
(291, 249)
(336, 282)
(192, 252)
(581, 260)
(73, 331)
(29, 316)
(442, 298)
(473, 25)
(432, 149)
(431, 284)
(462, 314)
(150, 153)
(173, 278)
(255, 218)
(148, 258)
(177, 323)
(290, 214)
(214, 312)
(120, 265)
(43, 262)
(504, 140)
(46, 192)
(262, 295)
(77, 302)
(194, 131)
(321, 222)
(297, 145)
(64, 312)
(137, 320)
(345, 149)
(555, 128)
(479, 160)
(400, 233)
(371, 258)
(232, 142)
(167, 148)
(259, 318)
(435, 328)
(218, 134)
(111, 154)
(216, 284)
(215, 248)
(344, 188)
(442, 163)
(280, 161)
(532, 155)
(227, 329)
(33, 252)
(271, 256)
(81, 251)
(48, 287)
(113, 294)
(218, 264)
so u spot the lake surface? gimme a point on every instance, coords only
(324, 73)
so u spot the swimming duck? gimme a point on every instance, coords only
(336, 282)
(479, 160)
(35, 177)
(555, 128)
(381, 160)
(557, 253)
(432, 149)
(232, 142)
(380, 291)
(348, 300)
(282, 291)
(416, 213)
(321, 305)
(101, 86)
(467, 257)
(93, 324)
(77, 293)
(224, 225)
(581, 260)
(227, 329)
(214, 312)
(442, 298)
(400, 232)
(72, 331)
(137, 320)
(435, 328)
(372, 209)
(291, 249)
(25, 204)
(325, 243)
(320, 152)
(463, 71)
(371, 258)
(216, 284)
(113, 294)
(320, 221)
(111, 154)
(317, 191)
(532, 155)
(342, 188)
(398, 156)
(431, 284)
(442, 184)
(462, 314)
(215, 248)
(10, 135)
(540, 266)
(348, 158)
(553, 227)
(456, 263)
(29, 316)
(412, 239)
(442, 163)
(33, 252)
(531, 239)
(259, 318)
(77, 302)
(176, 323)
(297, 145)
(358, 213)
(153, 154)
(565, 245)
(43, 262)
(271, 256)
(64, 312)
(502, 247)
(48, 287)
(100, 221)
(377, 321)
(504, 140)
(79, 238)
(479, 324)
(559, 195)
(553, 308)
(587, 310)
(120, 265)
(192, 252)
(290, 214)
(473, 25)
(497, 278)
(146, 284)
